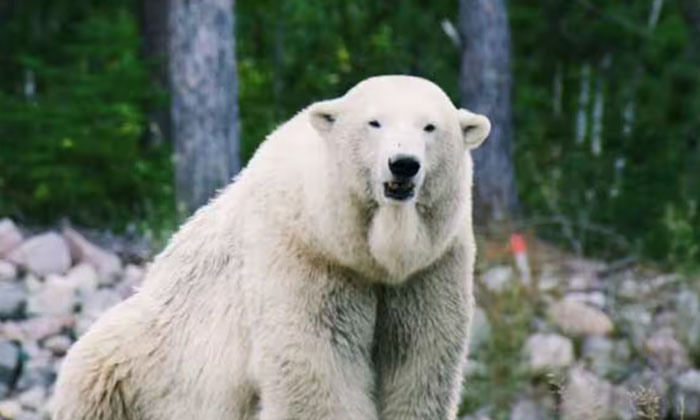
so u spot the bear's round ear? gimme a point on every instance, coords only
(475, 128)
(324, 114)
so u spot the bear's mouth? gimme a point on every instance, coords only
(399, 190)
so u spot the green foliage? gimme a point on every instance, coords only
(294, 52)
(73, 146)
(502, 378)
(649, 161)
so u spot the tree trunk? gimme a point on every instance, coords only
(153, 20)
(485, 83)
(204, 107)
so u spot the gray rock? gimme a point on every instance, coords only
(688, 319)
(58, 344)
(8, 271)
(689, 381)
(10, 236)
(107, 264)
(527, 409)
(585, 396)
(37, 371)
(132, 279)
(545, 352)
(480, 329)
(549, 279)
(10, 409)
(605, 356)
(594, 299)
(94, 305)
(39, 328)
(665, 352)
(29, 415)
(83, 278)
(43, 254)
(9, 365)
(13, 298)
(576, 318)
(636, 321)
(33, 398)
(498, 278)
(56, 297)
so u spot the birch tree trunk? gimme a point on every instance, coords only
(485, 85)
(204, 106)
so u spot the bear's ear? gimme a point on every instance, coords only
(475, 128)
(324, 114)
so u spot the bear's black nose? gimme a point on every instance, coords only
(403, 166)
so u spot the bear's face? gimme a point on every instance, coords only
(395, 139)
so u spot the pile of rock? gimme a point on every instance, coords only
(607, 338)
(53, 285)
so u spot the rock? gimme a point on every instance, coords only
(56, 297)
(10, 409)
(635, 321)
(9, 365)
(498, 278)
(621, 404)
(549, 279)
(577, 318)
(33, 398)
(58, 344)
(585, 396)
(43, 254)
(689, 381)
(94, 305)
(546, 352)
(27, 415)
(688, 320)
(133, 277)
(665, 352)
(605, 356)
(594, 299)
(39, 328)
(13, 298)
(527, 409)
(108, 265)
(10, 236)
(83, 278)
(480, 329)
(8, 271)
(37, 371)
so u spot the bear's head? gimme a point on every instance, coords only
(391, 134)
(399, 143)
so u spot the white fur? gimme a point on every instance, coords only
(280, 298)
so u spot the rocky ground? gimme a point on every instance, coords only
(587, 341)
(581, 340)
(53, 285)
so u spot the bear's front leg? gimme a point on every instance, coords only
(421, 338)
(312, 358)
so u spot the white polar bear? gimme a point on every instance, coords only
(331, 280)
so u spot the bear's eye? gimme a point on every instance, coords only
(429, 128)
(375, 124)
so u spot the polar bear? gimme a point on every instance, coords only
(331, 280)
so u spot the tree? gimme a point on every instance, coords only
(203, 95)
(485, 84)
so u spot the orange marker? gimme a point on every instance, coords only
(519, 249)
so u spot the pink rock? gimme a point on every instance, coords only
(42, 254)
(107, 264)
(10, 236)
